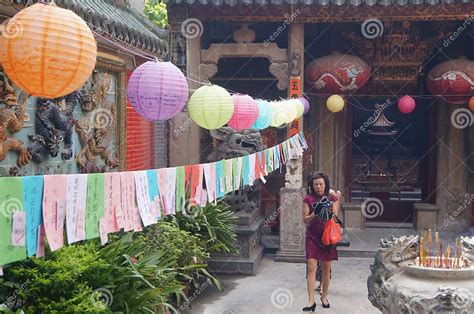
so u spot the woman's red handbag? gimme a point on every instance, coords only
(332, 233)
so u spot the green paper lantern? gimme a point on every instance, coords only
(211, 107)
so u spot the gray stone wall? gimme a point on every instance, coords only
(161, 144)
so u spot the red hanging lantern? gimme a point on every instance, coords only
(337, 74)
(453, 78)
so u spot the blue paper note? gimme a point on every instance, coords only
(246, 169)
(153, 191)
(219, 179)
(33, 198)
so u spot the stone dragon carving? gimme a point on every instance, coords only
(229, 143)
(96, 128)
(12, 117)
(393, 254)
(54, 121)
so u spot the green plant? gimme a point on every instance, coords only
(156, 12)
(213, 224)
(61, 282)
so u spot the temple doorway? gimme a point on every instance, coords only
(390, 159)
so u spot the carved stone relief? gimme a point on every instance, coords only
(206, 71)
(12, 118)
(280, 71)
(244, 34)
(294, 174)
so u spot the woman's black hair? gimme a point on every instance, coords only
(318, 175)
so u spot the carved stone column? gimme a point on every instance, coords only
(452, 195)
(184, 144)
(292, 227)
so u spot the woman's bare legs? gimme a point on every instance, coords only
(312, 266)
(325, 279)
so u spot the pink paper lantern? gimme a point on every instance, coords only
(245, 112)
(406, 104)
(305, 104)
(157, 90)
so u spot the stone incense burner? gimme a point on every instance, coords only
(399, 284)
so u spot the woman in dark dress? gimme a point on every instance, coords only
(318, 190)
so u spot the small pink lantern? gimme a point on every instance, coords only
(245, 112)
(406, 104)
(305, 104)
(157, 90)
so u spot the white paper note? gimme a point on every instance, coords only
(75, 207)
(143, 198)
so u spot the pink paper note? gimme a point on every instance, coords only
(76, 207)
(167, 187)
(198, 197)
(54, 205)
(103, 231)
(18, 228)
(112, 202)
(128, 200)
(40, 243)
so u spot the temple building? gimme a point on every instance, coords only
(395, 169)
(108, 135)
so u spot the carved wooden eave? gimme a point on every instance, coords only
(332, 13)
(278, 59)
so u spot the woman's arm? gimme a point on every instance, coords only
(337, 203)
(308, 214)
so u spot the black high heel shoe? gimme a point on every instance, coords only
(325, 305)
(310, 308)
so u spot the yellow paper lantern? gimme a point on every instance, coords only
(335, 103)
(211, 107)
(290, 109)
(48, 51)
(279, 114)
(299, 107)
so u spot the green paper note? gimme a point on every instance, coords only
(11, 200)
(95, 204)
(235, 174)
(180, 196)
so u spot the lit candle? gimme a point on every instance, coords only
(436, 249)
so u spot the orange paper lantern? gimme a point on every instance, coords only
(48, 51)
(471, 103)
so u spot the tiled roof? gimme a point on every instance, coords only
(120, 22)
(315, 2)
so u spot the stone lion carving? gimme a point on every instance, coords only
(229, 143)
(393, 254)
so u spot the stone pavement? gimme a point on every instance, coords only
(281, 288)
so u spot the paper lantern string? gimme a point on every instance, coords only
(306, 95)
